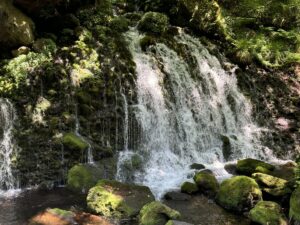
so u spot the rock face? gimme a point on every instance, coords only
(239, 193)
(295, 205)
(16, 28)
(249, 166)
(82, 177)
(268, 213)
(206, 182)
(156, 213)
(272, 185)
(118, 200)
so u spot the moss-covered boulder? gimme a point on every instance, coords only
(272, 185)
(156, 213)
(249, 166)
(16, 28)
(118, 200)
(295, 205)
(82, 177)
(268, 213)
(153, 22)
(206, 182)
(73, 142)
(239, 193)
(189, 188)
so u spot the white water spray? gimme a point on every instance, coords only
(190, 111)
(7, 147)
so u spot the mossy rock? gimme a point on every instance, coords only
(73, 142)
(156, 213)
(118, 200)
(295, 205)
(268, 213)
(119, 24)
(147, 41)
(16, 28)
(82, 177)
(153, 22)
(239, 193)
(249, 166)
(206, 182)
(272, 185)
(189, 188)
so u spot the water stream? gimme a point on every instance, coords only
(7, 147)
(190, 111)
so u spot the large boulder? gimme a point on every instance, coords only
(295, 205)
(268, 213)
(206, 182)
(82, 177)
(272, 185)
(249, 166)
(118, 200)
(239, 193)
(153, 22)
(16, 28)
(156, 213)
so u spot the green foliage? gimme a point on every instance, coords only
(15, 72)
(153, 22)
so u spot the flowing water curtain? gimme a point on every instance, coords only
(189, 111)
(7, 146)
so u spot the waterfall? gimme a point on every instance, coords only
(7, 147)
(190, 111)
(89, 153)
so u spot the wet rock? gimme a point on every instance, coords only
(189, 188)
(117, 200)
(82, 177)
(156, 213)
(58, 216)
(295, 205)
(248, 166)
(285, 171)
(272, 185)
(73, 142)
(177, 196)
(16, 28)
(239, 193)
(268, 213)
(206, 182)
(153, 22)
(231, 168)
(176, 222)
(197, 166)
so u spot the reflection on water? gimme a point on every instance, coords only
(17, 211)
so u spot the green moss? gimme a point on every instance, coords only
(206, 182)
(156, 213)
(295, 205)
(261, 169)
(248, 166)
(44, 45)
(73, 142)
(118, 200)
(268, 213)
(61, 213)
(147, 41)
(190, 188)
(153, 22)
(119, 24)
(239, 193)
(80, 178)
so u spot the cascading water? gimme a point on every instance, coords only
(89, 154)
(190, 111)
(7, 147)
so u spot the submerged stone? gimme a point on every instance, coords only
(249, 166)
(118, 200)
(156, 213)
(268, 213)
(239, 193)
